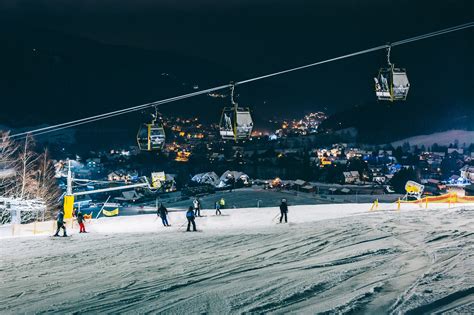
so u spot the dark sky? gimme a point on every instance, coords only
(230, 40)
(248, 35)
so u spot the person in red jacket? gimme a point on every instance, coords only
(80, 220)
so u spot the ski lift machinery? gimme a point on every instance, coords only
(236, 122)
(151, 136)
(391, 84)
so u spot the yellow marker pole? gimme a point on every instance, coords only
(426, 202)
(68, 206)
(398, 204)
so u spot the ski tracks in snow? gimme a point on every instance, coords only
(378, 263)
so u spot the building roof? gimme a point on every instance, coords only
(299, 182)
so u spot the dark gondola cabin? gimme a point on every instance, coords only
(391, 84)
(236, 122)
(151, 137)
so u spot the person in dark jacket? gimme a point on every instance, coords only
(60, 223)
(163, 213)
(231, 183)
(283, 210)
(190, 216)
(80, 220)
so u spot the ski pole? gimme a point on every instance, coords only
(275, 217)
(182, 225)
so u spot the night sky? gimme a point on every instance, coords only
(62, 60)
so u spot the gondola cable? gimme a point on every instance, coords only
(86, 120)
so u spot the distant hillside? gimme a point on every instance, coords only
(379, 122)
(442, 138)
(49, 77)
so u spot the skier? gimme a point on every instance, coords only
(197, 207)
(190, 216)
(60, 222)
(283, 210)
(231, 183)
(80, 220)
(163, 212)
(222, 203)
(218, 208)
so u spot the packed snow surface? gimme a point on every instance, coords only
(330, 258)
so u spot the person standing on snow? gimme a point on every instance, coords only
(80, 220)
(222, 203)
(190, 216)
(231, 183)
(218, 208)
(283, 210)
(60, 223)
(197, 207)
(163, 212)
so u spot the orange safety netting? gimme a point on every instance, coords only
(447, 198)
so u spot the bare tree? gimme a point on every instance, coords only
(27, 180)
(48, 189)
(25, 175)
(8, 164)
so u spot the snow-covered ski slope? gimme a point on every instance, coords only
(330, 258)
(246, 218)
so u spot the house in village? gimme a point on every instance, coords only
(467, 172)
(351, 177)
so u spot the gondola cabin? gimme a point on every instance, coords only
(236, 123)
(151, 137)
(391, 84)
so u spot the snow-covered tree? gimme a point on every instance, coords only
(48, 189)
(8, 164)
(26, 175)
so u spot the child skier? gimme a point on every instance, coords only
(60, 222)
(190, 216)
(80, 220)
